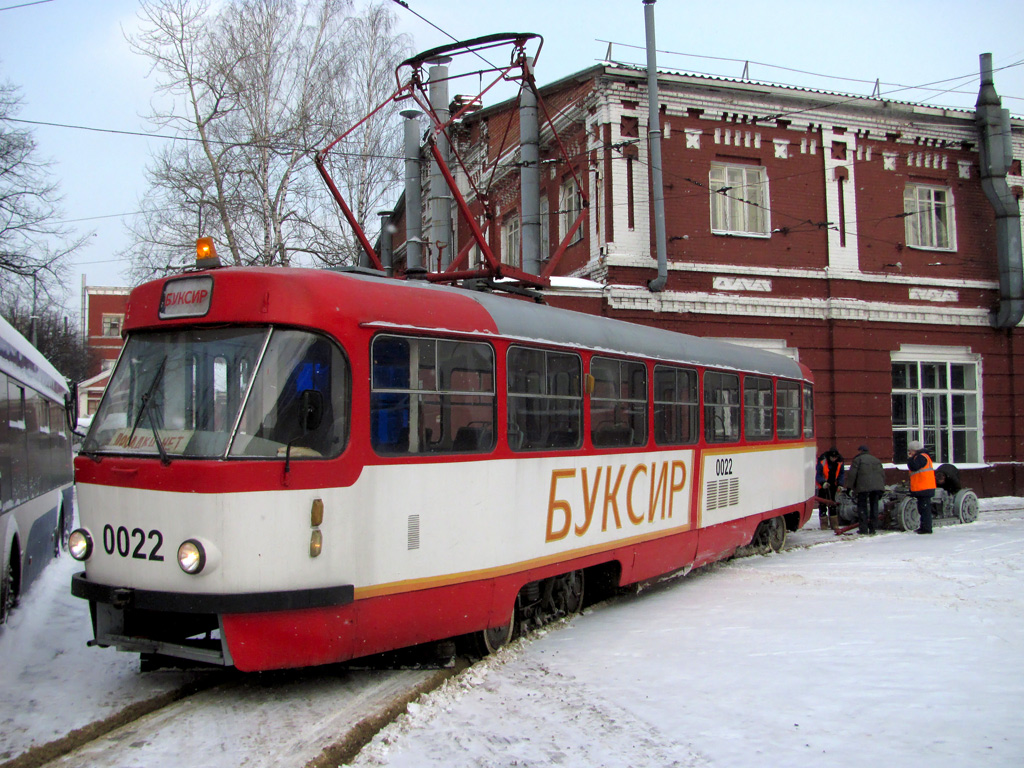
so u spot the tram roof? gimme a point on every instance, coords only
(19, 359)
(529, 321)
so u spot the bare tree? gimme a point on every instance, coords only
(35, 247)
(253, 88)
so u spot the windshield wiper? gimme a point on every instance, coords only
(145, 401)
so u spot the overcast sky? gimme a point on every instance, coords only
(74, 67)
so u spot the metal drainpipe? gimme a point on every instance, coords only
(440, 195)
(386, 245)
(413, 204)
(996, 150)
(654, 139)
(529, 175)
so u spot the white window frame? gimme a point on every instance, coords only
(110, 320)
(570, 204)
(739, 200)
(939, 432)
(930, 221)
(511, 242)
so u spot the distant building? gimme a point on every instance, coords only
(103, 311)
(856, 234)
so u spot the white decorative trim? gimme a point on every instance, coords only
(638, 299)
(741, 284)
(781, 148)
(889, 161)
(933, 294)
(964, 167)
(693, 138)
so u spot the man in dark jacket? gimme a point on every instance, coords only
(866, 478)
(828, 476)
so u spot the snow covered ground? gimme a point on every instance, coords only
(867, 651)
(892, 650)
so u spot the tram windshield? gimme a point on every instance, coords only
(225, 393)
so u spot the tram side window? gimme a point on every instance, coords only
(808, 411)
(721, 407)
(676, 415)
(757, 408)
(788, 410)
(431, 396)
(545, 399)
(618, 404)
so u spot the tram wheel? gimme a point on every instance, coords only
(966, 506)
(776, 533)
(488, 641)
(569, 592)
(907, 516)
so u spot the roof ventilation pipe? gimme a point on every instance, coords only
(413, 203)
(996, 150)
(654, 139)
(529, 175)
(440, 196)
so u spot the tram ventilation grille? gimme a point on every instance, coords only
(414, 531)
(723, 493)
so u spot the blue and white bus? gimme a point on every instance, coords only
(36, 476)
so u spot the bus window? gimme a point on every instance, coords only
(431, 395)
(545, 399)
(788, 410)
(676, 419)
(721, 407)
(757, 408)
(618, 404)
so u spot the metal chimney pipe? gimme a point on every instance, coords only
(996, 155)
(413, 204)
(386, 243)
(654, 141)
(529, 174)
(440, 196)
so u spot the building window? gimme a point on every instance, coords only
(739, 200)
(510, 242)
(570, 204)
(112, 325)
(936, 399)
(929, 217)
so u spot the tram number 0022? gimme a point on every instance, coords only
(133, 543)
(723, 467)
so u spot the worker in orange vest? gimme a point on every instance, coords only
(922, 482)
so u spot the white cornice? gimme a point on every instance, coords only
(645, 262)
(639, 299)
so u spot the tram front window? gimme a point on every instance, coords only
(183, 393)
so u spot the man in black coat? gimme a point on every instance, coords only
(866, 478)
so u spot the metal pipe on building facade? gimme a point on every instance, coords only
(529, 174)
(654, 141)
(996, 150)
(413, 204)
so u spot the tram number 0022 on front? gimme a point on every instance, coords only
(723, 467)
(136, 543)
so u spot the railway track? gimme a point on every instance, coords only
(316, 718)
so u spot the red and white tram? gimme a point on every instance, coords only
(296, 467)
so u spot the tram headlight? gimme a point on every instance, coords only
(80, 544)
(192, 556)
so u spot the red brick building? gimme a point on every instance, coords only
(103, 310)
(852, 233)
